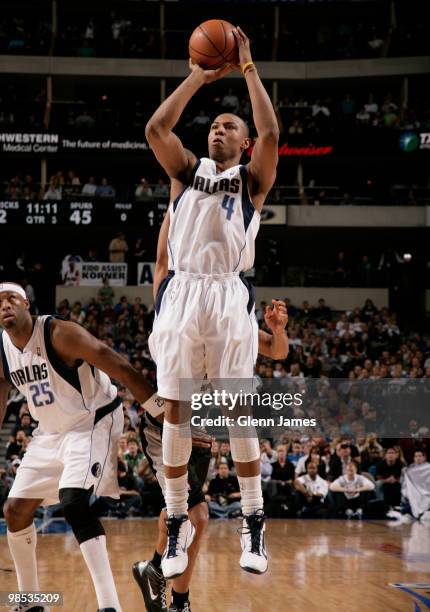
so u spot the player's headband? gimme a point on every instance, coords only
(12, 287)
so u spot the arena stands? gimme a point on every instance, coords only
(365, 344)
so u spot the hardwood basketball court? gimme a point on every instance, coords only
(314, 565)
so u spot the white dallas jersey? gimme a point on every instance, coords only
(59, 397)
(213, 224)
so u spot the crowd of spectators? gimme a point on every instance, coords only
(305, 32)
(345, 470)
(68, 185)
(309, 115)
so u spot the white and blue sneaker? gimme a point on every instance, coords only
(252, 540)
(180, 534)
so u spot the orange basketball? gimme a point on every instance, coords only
(212, 44)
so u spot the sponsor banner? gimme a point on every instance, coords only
(51, 142)
(411, 141)
(92, 273)
(29, 142)
(273, 215)
(145, 273)
(307, 150)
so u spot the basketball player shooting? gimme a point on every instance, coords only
(63, 371)
(148, 574)
(205, 321)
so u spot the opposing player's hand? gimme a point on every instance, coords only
(243, 45)
(276, 316)
(209, 76)
(200, 438)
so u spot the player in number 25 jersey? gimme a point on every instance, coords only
(64, 373)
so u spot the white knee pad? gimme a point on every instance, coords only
(176, 443)
(246, 448)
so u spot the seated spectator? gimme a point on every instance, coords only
(105, 190)
(106, 294)
(143, 190)
(351, 492)
(315, 458)
(161, 190)
(415, 490)
(300, 466)
(312, 491)
(53, 191)
(296, 453)
(118, 248)
(90, 188)
(223, 494)
(224, 451)
(84, 119)
(78, 313)
(371, 457)
(388, 473)
(230, 102)
(339, 460)
(133, 455)
(201, 121)
(15, 445)
(26, 424)
(214, 461)
(279, 494)
(267, 457)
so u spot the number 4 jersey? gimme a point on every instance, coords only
(59, 397)
(213, 224)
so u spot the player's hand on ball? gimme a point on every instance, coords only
(276, 316)
(243, 45)
(209, 76)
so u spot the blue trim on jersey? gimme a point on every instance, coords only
(161, 290)
(251, 292)
(189, 184)
(107, 454)
(104, 410)
(171, 252)
(6, 370)
(69, 374)
(247, 206)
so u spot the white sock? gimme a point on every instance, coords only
(176, 495)
(22, 545)
(96, 557)
(251, 494)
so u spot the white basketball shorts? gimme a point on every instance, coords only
(204, 324)
(82, 458)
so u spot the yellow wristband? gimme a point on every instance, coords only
(247, 67)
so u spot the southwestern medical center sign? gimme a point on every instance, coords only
(44, 143)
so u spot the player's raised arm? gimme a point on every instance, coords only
(274, 345)
(177, 161)
(264, 159)
(4, 392)
(72, 343)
